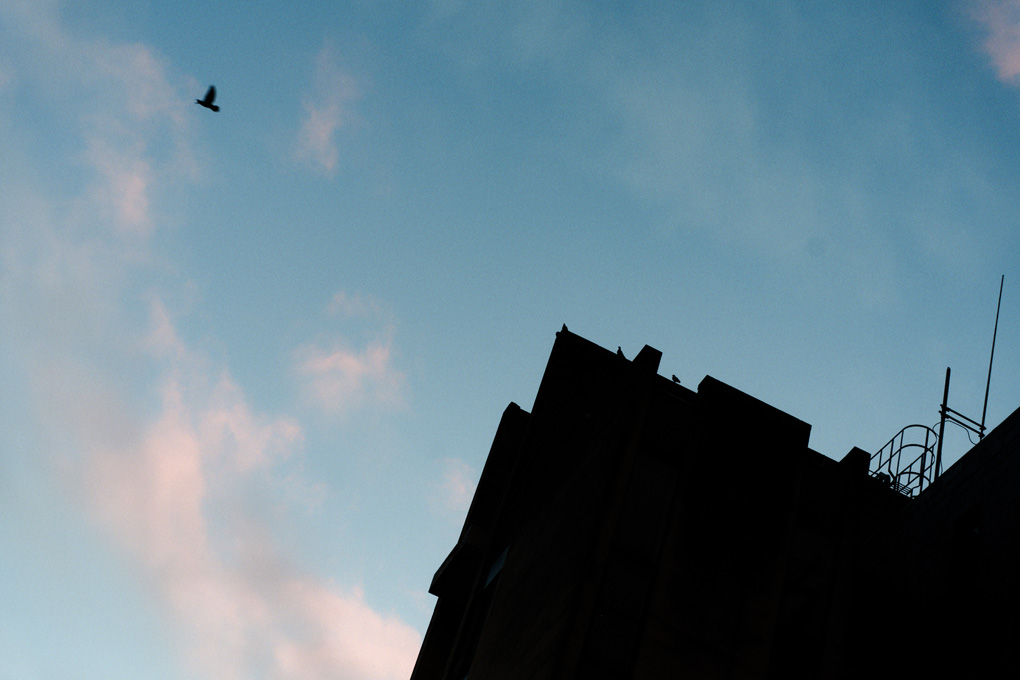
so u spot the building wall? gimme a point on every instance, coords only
(940, 582)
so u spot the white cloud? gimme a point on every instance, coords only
(326, 111)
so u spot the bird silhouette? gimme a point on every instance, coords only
(209, 97)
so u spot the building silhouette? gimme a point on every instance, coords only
(630, 527)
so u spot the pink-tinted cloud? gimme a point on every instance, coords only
(136, 102)
(326, 111)
(124, 179)
(138, 72)
(315, 142)
(341, 633)
(1001, 21)
(339, 375)
(157, 443)
(340, 380)
(244, 608)
(112, 101)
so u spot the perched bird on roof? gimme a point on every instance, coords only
(208, 101)
(619, 352)
(675, 379)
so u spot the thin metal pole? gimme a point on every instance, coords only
(942, 426)
(924, 461)
(988, 384)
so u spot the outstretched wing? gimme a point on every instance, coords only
(210, 95)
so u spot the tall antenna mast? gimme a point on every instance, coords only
(992, 357)
(955, 416)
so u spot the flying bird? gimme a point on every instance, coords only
(209, 97)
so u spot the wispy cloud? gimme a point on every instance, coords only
(139, 111)
(181, 499)
(158, 444)
(339, 376)
(343, 638)
(117, 107)
(340, 379)
(347, 305)
(455, 488)
(1001, 21)
(124, 178)
(773, 157)
(326, 111)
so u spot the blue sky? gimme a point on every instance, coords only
(251, 361)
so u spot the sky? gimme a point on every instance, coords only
(251, 362)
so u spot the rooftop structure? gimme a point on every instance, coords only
(630, 527)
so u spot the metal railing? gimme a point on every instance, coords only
(890, 464)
